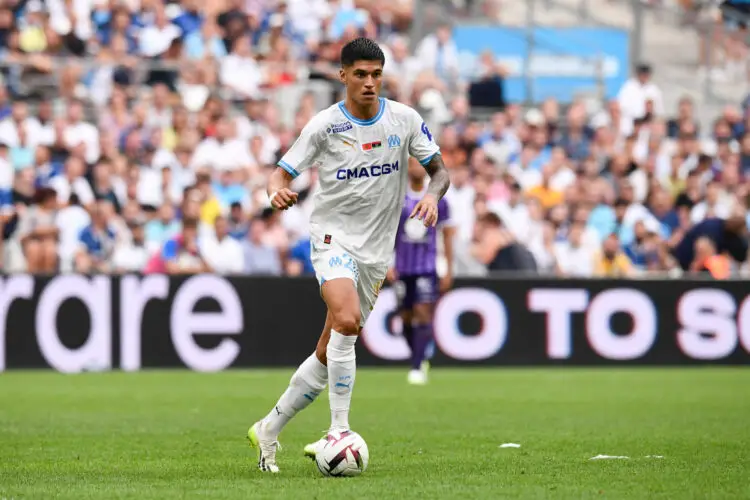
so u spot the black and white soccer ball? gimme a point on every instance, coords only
(344, 454)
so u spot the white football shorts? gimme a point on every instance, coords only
(331, 262)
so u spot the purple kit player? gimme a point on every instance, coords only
(415, 276)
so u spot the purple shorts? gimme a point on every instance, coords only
(417, 289)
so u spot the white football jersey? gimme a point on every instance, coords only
(362, 171)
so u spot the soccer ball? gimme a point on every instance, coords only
(344, 454)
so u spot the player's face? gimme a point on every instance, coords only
(363, 80)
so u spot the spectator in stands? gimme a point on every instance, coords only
(71, 220)
(487, 88)
(275, 235)
(438, 53)
(260, 257)
(239, 70)
(239, 225)
(643, 251)
(745, 155)
(6, 178)
(222, 252)
(496, 248)
(230, 190)
(513, 212)
(544, 191)
(78, 131)
(685, 116)
(162, 228)
(130, 254)
(573, 257)
(543, 250)
(106, 185)
(716, 203)
(72, 181)
(728, 236)
(210, 206)
(501, 141)
(97, 241)
(299, 261)
(611, 262)
(223, 152)
(180, 254)
(638, 97)
(38, 234)
(576, 140)
(707, 261)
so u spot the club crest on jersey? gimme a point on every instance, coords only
(371, 145)
(337, 128)
(394, 141)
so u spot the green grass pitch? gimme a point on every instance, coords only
(176, 434)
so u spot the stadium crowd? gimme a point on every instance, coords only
(151, 152)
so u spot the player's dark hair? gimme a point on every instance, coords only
(491, 219)
(361, 49)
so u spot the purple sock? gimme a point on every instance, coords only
(422, 337)
(408, 333)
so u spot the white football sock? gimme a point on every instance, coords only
(342, 366)
(306, 383)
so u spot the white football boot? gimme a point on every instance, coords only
(266, 446)
(417, 377)
(312, 449)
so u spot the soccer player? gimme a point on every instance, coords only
(361, 147)
(415, 273)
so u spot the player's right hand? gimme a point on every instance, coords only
(283, 199)
(391, 276)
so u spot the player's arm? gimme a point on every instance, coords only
(422, 146)
(440, 181)
(303, 154)
(427, 208)
(449, 231)
(279, 192)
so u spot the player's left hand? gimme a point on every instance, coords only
(446, 282)
(426, 210)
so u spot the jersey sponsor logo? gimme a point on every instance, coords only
(371, 145)
(337, 128)
(426, 131)
(394, 141)
(344, 174)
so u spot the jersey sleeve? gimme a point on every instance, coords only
(307, 149)
(422, 145)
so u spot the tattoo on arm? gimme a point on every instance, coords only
(439, 178)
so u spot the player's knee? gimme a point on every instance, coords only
(347, 322)
(422, 314)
